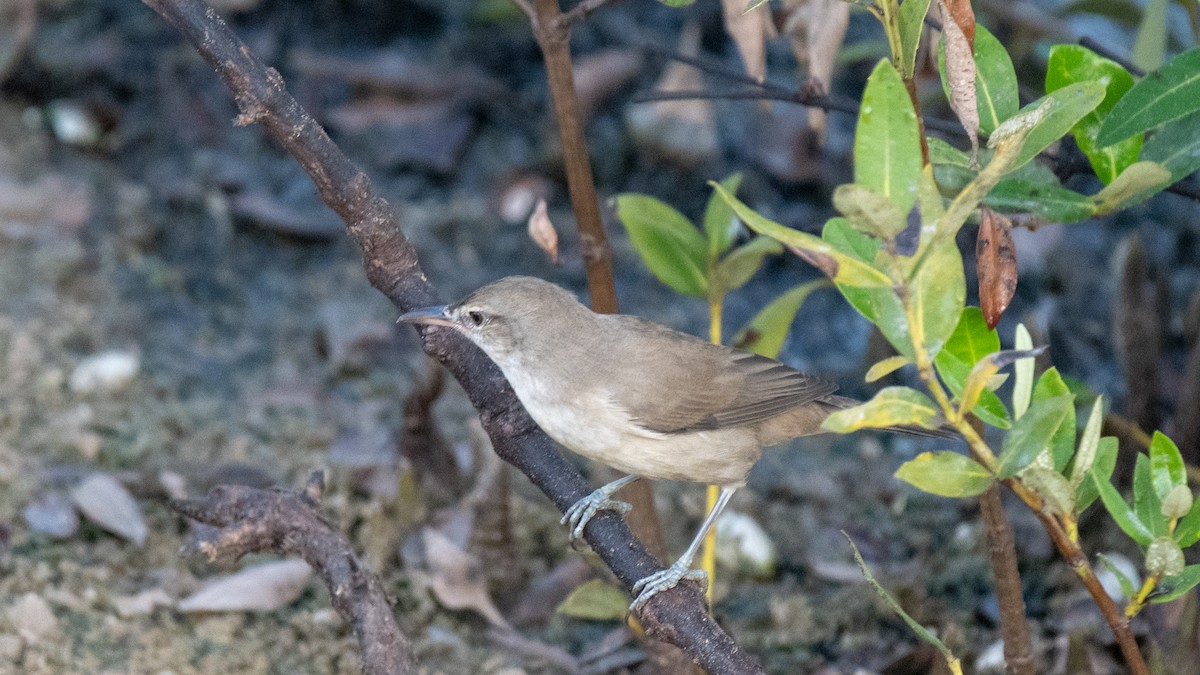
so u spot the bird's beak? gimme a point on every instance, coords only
(433, 316)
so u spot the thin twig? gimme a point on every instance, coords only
(679, 615)
(582, 11)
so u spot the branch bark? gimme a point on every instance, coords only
(677, 616)
(249, 520)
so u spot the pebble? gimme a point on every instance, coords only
(33, 619)
(106, 372)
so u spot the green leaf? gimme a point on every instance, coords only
(1119, 509)
(941, 152)
(668, 243)
(1050, 485)
(1150, 45)
(886, 367)
(887, 148)
(1187, 530)
(972, 339)
(1032, 434)
(912, 21)
(596, 600)
(841, 235)
(1102, 469)
(735, 269)
(868, 211)
(891, 407)
(679, 3)
(995, 80)
(1062, 445)
(1166, 94)
(1054, 204)
(1166, 465)
(1063, 109)
(1023, 373)
(1089, 444)
(1145, 499)
(1176, 147)
(967, 345)
(765, 333)
(990, 408)
(937, 293)
(945, 473)
(1073, 63)
(1174, 587)
(1136, 184)
(844, 269)
(720, 225)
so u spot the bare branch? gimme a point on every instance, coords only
(248, 520)
(678, 616)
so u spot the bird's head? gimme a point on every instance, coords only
(508, 316)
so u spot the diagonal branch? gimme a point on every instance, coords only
(678, 616)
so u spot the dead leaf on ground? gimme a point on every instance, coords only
(995, 265)
(960, 67)
(456, 580)
(816, 29)
(262, 588)
(683, 132)
(104, 501)
(542, 231)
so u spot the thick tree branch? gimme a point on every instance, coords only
(677, 616)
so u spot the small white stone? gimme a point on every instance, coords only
(743, 544)
(105, 372)
(991, 659)
(33, 619)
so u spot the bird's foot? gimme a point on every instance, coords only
(582, 511)
(662, 580)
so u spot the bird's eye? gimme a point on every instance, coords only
(476, 317)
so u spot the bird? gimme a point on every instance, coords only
(639, 397)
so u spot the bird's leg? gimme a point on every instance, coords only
(582, 511)
(682, 569)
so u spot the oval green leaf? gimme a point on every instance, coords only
(947, 474)
(735, 269)
(1055, 204)
(1136, 184)
(887, 147)
(1073, 63)
(720, 225)
(1165, 94)
(1166, 465)
(891, 407)
(1120, 511)
(668, 243)
(765, 333)
(1032, 434)
(1176, 147)
(868, 211)
(1064, 108)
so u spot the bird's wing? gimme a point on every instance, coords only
(691, 385)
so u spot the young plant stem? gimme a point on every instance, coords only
(1067, 546)
(708, 553)
(1014, 626)
(552, 29)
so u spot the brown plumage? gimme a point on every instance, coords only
(636, 395)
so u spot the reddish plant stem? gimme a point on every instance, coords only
(679, 615)
(1014, 626)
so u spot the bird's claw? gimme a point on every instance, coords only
(577, 517)
(663, 580)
